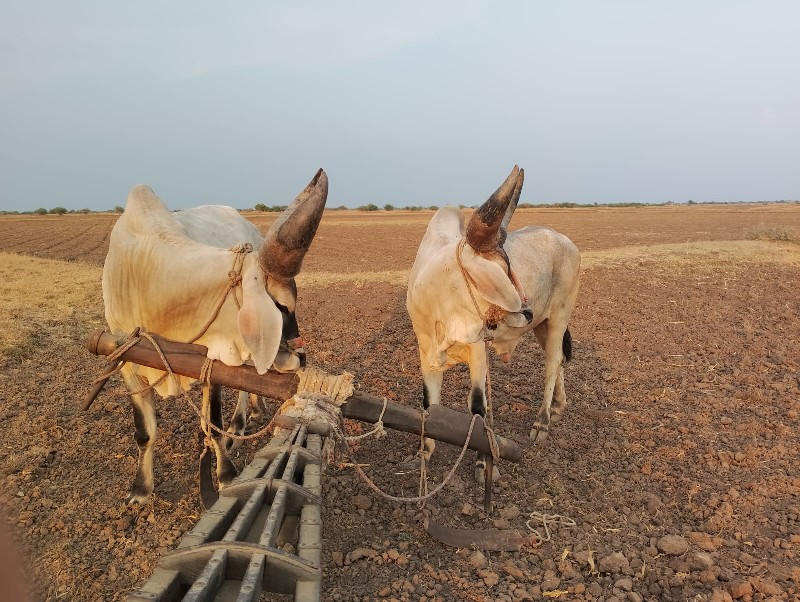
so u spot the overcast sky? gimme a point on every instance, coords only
(414, 102)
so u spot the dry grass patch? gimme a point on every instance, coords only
(775, 233)
(697, 254)
(40, 297)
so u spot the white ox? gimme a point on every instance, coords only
(166, 272)
(511, 283)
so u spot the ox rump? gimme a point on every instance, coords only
(443, 424)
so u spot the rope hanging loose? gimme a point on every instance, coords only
(419, 498)
(546, 520)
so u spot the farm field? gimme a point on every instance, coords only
(683, 393)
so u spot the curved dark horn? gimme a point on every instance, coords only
(514, 200)
(290, 236)
(484, 226)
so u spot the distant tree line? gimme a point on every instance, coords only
(390, 207)
(62, 211)
(273, 208)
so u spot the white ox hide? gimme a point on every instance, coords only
(167, 271)
(521, 281)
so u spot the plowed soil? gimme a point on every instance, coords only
(677, 458)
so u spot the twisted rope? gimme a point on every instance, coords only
(546, 520)
(470, 284)
(234, 280)
(205, 376)
(377, 429)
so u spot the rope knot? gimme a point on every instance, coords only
(242, 247)
(235, 278)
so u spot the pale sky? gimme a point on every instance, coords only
(409, 103)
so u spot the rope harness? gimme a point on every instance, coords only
(240, 251)
(203, 413)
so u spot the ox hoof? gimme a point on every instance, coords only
(227, 475)
(135, 497)
(556, 413)
(411, 463)
(232, 444)
(539, 433)
(480, 474)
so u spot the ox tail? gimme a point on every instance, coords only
(566, 345)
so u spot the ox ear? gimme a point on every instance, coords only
(260, 323)
(492, 282)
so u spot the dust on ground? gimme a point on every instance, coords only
(677, 456)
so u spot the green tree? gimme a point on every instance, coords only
(388, 207)
(119, 209)
(261, 207)
(41, 211)
(58, 210)
(368, 207)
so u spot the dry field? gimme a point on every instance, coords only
(683, 418)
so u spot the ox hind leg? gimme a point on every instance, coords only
(557, 345)
(144, 421)
(477, 401)
(226, 471)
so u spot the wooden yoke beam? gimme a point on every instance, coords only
(443, 424)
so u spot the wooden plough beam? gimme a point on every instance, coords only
(239, 548)
(442, 424)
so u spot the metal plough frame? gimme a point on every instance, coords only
(238, 547)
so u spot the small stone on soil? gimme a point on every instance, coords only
(673, 544)
(478, 560)
(613, 563)
(362, 502)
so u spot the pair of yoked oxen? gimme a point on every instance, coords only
(165, 272)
